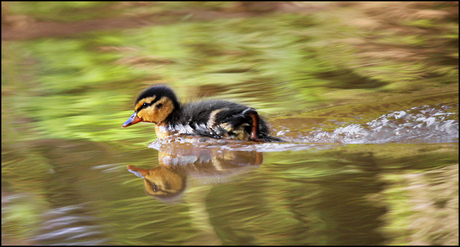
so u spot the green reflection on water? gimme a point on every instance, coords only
(343, 195)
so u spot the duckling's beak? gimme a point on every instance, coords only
(138, 171)
(132, 120)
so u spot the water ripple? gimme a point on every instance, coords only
(418, 124)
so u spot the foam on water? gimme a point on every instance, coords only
(418, 124)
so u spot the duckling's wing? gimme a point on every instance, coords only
(212, 118)
(244, 122)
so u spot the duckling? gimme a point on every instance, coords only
(214, 118)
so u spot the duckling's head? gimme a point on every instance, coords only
(154, 105)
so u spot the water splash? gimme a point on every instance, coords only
(418, 124)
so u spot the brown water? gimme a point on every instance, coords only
(366, 99)
(229, 192)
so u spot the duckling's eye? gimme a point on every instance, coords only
(159, 105)
(145, 105)
(154, 188)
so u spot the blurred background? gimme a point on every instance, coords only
(71, 72)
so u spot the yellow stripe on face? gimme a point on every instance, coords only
(157, 112)
(142, 101)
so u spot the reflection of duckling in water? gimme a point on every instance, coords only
(161, 181)
(169, 180)
(209, 118)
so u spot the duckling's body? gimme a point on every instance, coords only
(209, 118)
